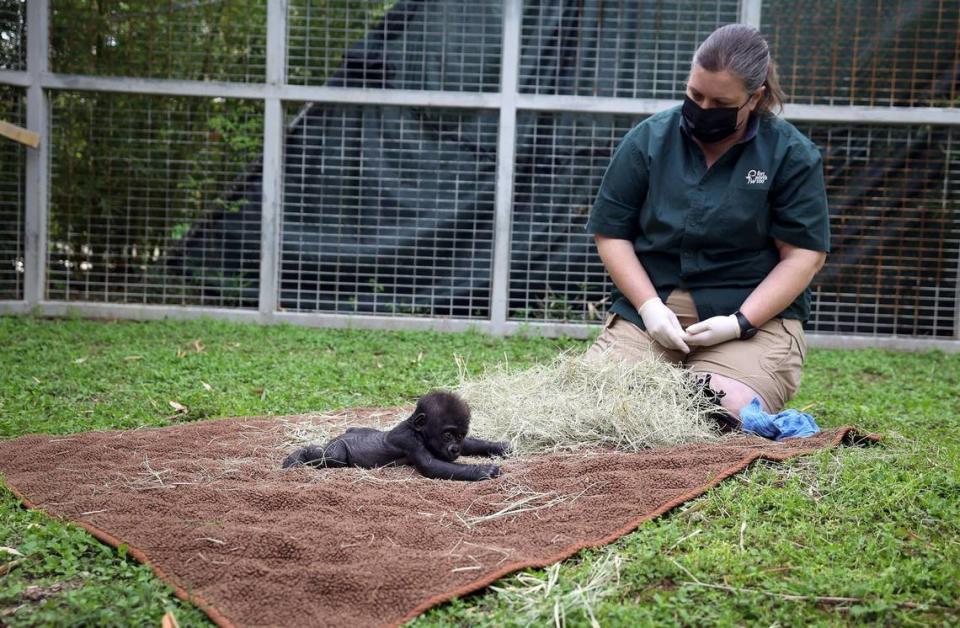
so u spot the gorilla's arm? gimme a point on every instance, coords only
(431, 467)
(480, 447)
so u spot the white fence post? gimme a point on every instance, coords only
(750, 12)
(949, 158)
(38, 159)
(273, 137)
(506, 140)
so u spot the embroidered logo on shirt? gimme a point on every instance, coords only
(756, 177)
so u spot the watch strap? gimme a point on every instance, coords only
(747, 330)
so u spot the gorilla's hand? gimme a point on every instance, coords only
(431, 467)
(488, 471)
(500, 448)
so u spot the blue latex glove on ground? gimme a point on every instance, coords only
(787, 424)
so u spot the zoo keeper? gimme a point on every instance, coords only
(712, 220)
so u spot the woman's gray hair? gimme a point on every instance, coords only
(741, 50)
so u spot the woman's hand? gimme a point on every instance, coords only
(662, 325)
(713, 331)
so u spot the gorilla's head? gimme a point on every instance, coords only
(442, 419)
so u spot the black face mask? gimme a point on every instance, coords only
(710, 125)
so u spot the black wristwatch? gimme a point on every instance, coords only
(747, 330)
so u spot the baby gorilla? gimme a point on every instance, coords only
(430, 440)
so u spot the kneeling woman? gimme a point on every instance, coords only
(712, 221)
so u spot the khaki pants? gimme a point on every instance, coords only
(771, 363)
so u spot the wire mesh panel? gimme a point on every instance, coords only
(13, 35)
(411, 44)
(902, 53)
(894, 194)
(389, 210)
(12, 197)
(155, 200)
(221, 40)
(624, 49)
(555, 273)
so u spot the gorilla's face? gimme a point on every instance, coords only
(443, 420)
(444, 439)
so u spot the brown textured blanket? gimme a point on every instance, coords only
(208, 507)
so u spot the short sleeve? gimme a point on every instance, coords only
(622, 192)
(800, 215)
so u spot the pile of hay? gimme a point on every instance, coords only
(574, 403)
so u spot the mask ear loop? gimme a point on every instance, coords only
(749, 96)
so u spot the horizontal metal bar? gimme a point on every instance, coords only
(887, 115)
(411, 97)
(127, 311)
(385, 323)
(891, 343)
(130, 85)
(221, 89)
(473, 100)
(12, 77)
(800, 113)
(593, 104)
(359, 321)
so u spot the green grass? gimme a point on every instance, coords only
(879, 525)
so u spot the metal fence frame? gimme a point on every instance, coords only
(38, 80)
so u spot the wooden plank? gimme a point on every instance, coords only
(19, 134)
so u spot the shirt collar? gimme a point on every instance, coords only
(753, 123)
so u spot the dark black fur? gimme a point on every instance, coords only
(430, 439)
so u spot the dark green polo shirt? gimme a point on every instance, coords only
(711, 231)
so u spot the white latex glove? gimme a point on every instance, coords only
(713, 331)
(662, 325)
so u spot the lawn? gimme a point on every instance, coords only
(843, 536)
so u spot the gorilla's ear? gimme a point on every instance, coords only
(418, 421)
